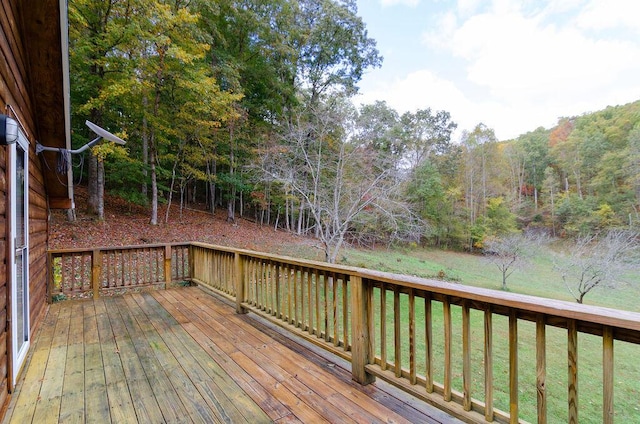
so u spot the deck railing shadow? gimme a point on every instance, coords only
(481, 355)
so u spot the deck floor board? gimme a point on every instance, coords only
(183, 355)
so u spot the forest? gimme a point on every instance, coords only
(247, 106)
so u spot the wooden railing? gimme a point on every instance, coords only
(77, 273)
(310, 299)
(473, 352)
(482, 355)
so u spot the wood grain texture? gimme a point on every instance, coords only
(488, 365)
(361, 337)
(182, 355)
(513, 368)
(572, 362)
(466, 357)
(446, 311)
(607, 376)
(541, 369)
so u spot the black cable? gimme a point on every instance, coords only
(64, 159)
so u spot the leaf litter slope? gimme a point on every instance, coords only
(128, 224)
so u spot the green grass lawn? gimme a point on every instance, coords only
(537, 279)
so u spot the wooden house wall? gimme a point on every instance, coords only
(14, 83)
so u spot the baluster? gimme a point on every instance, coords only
(607, 375)
(413, 378)
(397, 342)
(334, 308)
(488, 364)
(239, 283)
(296, 300)
(541, 368)
(326, 306)
(167, 265)
(317, 303)
(572, 348)
(446, 311)
(383, 327)
(345, 313)
(428, 340)
(466, 357)
(513, 367)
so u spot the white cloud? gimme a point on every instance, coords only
(513, 56)
(607, 14)
(411, 3)
(468, 7)
(516, 65)
(423, 89)
(445, 28)
(534, 62)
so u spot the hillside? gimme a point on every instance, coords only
(128, 224)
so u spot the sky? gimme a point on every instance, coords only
(511, 65)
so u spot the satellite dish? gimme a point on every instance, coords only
(104, 133)
(101, 132)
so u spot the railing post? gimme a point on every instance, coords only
(239, 283)
(50, 277)
(361, 329)
(192, 263)
(96, 270)
(167, 266)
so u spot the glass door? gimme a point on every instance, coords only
(19, 241)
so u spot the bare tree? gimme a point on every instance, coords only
(511, 252)
(337, 180)
(599, 261)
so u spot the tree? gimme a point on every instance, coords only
(338, 180)
(499, 220)
(425, 134)
(173, 73)
(634, 164)
(551, 187)
(511, 252)
(378, 127)
(535, 146)
(100, 33)
(333, 45)
(599, 261)
(426, 194)
(480, 153)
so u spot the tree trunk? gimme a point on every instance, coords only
(173, 180)
(145, 147)
(211, 170)
(182, 205)
(152, 139)
(100, 190)
(154, 190)
(300, 217)
(92, 184)
(231, 213)
(286, 211)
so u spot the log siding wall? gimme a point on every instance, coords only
(19, 98)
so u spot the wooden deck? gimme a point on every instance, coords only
(182, 355)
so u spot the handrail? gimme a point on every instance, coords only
(596, 314)
(470, 351)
